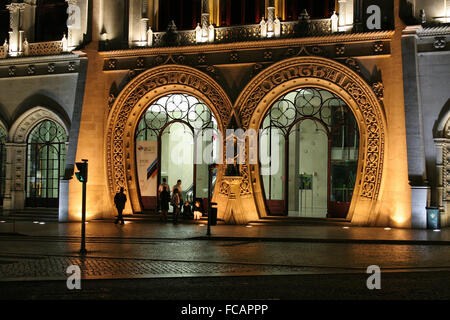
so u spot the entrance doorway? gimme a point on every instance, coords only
(176, 138)
(309, 155)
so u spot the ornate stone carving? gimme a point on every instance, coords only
(378, 47)
(71, 66)
(31, 69)
(27, 121)
(140, 62)
(201, 59)
(112, 64)
(125, 112)
(245, 188)
(353, 64)
(439, 42)
(340, 49)
(289, 52)
(224, 188)
(12, 71)
(111, 100)
(45, 48)
(257, 67)
(234, 56)
(268, 55)
(366, 107)
(378, 89)
(51, 68)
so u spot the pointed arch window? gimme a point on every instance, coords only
(46, 157)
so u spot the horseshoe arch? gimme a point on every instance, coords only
(132, 102)
(285, 76)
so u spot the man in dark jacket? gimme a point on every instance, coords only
(119, 200)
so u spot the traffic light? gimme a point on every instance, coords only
(82, 175)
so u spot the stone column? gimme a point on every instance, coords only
(270, 20)
(16, 33)
(144, 21)
(14, 198)
(205, 18)
(205, 32)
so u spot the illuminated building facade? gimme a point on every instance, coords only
(129, 85)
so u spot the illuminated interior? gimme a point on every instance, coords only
(180, 130)
(309, 136)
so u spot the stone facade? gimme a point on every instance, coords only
(123, 63)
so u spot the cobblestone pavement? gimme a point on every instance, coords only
(54, 267)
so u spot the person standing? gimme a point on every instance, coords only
(161, 187)
(180, 191)
(176, 202)
(164, 202)
(119, 200)
(178, 186)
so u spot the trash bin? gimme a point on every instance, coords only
(432, 217)
(213, 214)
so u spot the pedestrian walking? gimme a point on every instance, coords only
(119, 200)
(176, 201)
(164, 201)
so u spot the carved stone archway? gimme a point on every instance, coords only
(285, 76)
(27, 121)
(132, 103)
(442, 143)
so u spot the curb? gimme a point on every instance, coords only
(319, 240)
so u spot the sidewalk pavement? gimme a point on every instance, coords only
(197, 231)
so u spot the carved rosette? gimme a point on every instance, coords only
(125, 113)
(365, 107)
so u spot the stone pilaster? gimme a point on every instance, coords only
(14, 197)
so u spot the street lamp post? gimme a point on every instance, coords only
(82, 176)
(211, 167)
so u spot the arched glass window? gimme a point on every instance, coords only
(309, 154)
(172, 139)
(3, 140)
(46, 157)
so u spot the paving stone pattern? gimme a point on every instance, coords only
(55, 267)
